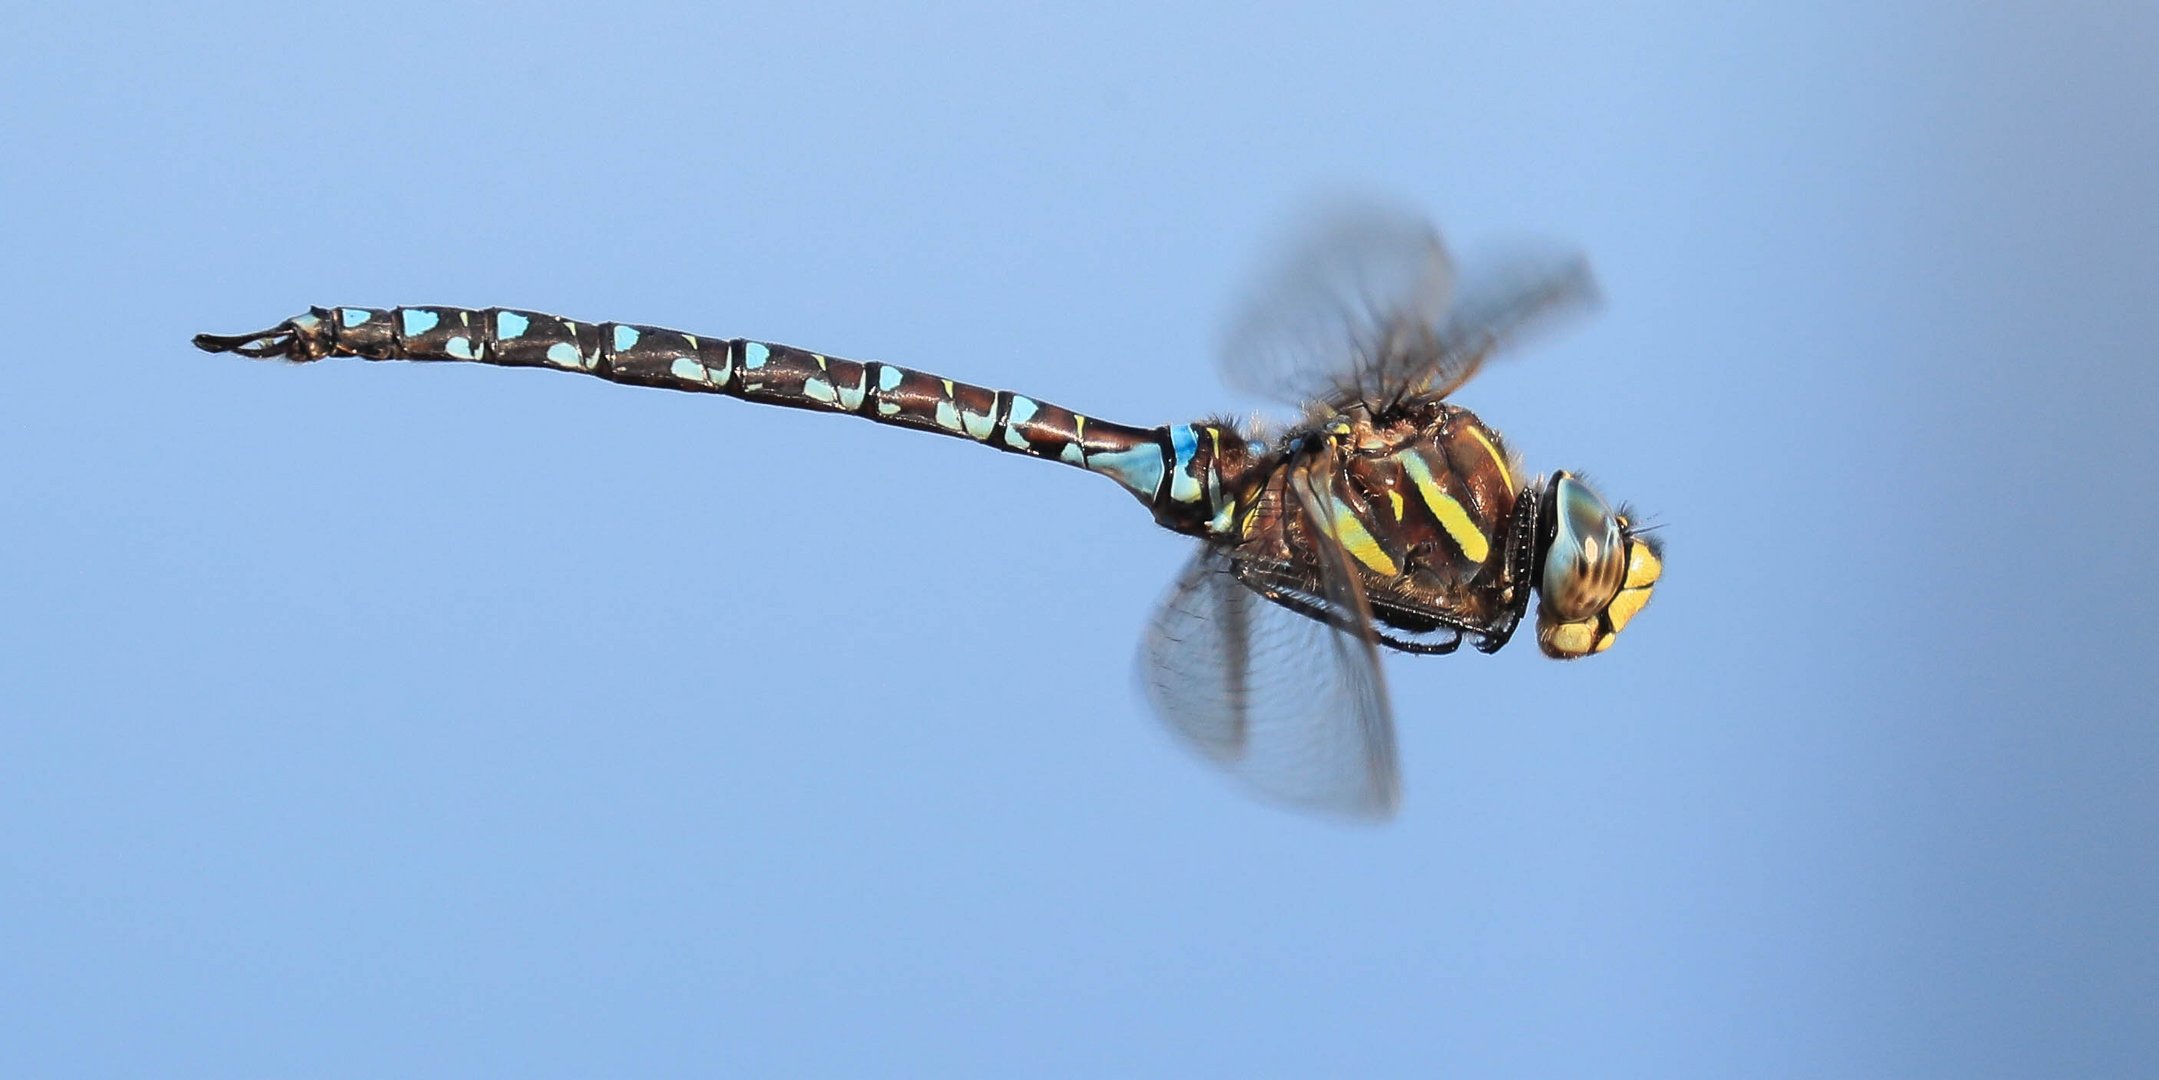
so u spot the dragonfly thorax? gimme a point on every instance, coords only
(1418, 501)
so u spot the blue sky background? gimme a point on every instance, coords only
(374, 720)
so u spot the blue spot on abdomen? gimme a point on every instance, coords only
(1138, 469)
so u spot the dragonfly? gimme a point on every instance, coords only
(1383, 517)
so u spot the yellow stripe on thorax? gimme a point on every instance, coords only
(1451, 516)
(1499, 460)
(1351, 535)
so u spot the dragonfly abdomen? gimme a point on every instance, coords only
(1174, 469)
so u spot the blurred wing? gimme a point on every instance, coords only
(1367, 307)
(1513, 298)
(1314, 326)
(1294, 706)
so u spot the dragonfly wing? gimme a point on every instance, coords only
(1351, 640)
(1314, 325)
(1369, 306)
(1513, 297)
(1293, 705)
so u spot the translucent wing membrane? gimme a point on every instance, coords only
(1510, 298)
(1312, 324)
(1351, 643)
(1367, 308)
(1292, 704)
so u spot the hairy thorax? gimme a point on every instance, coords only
(1418, 500)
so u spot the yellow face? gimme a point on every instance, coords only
(1597, 573)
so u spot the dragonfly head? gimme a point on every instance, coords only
(1596, 572)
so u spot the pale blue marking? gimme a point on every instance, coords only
(353, 317)
(948, 417)
(754, 355)
(1184, 442)
(820, 391)
(977, 424)
(886, 408)
(1023, 410)
(564, 354)
(509, 325)
(1073, 455)
(625, 338)
(1224, 519)
(459, 348)
(688, 369)
(851, 396)
(413, 323)
(305, 323)
(1138, 469)
(888, 377)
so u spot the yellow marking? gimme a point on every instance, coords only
(1223, 512)
(1568, 639)
(948, 387)
(1395, 498)
(1506, 478)
(1643, 566)
(1350, 534)
(1625, 606)
(1251, 519)
(1223, 518)
(1451, 516)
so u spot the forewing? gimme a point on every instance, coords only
(1352, 638)
(1315, 325)
(1369, 306)
(1287, 704)
(1513, 297)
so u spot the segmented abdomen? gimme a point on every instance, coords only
(1175, 469)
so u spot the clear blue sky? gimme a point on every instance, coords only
(379, 720)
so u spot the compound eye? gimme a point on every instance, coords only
(1587, 561)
